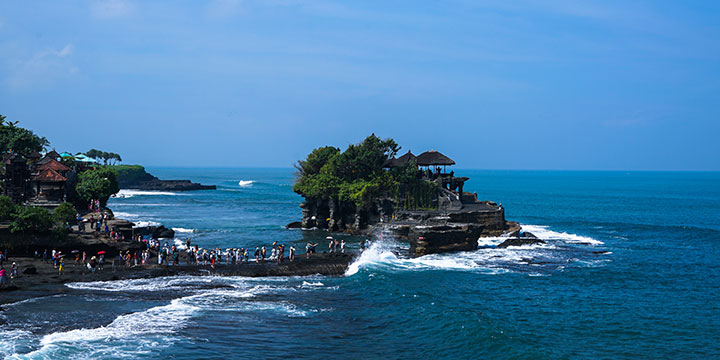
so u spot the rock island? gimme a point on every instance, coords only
(367, 188)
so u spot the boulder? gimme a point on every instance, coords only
(163, 232)
(294, 225)
(520, 241)
(30, 270)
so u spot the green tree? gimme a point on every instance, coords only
(21, 140)
(97, 184)
(316, 160)
(64, 213)
(7, 208)
(31, 219)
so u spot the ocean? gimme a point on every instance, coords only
(630, 270)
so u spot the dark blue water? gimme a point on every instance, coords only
(631, 270)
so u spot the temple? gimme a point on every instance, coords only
(39, 180)
(433, 166)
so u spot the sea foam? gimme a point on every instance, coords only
(128, 193)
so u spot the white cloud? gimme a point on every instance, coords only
(107, 9)
(67, 50)
(43, 67)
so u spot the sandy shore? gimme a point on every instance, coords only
(47, 281)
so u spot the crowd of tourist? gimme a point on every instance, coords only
(170, 255)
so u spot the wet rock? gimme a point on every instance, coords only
(520, 242)
(294, 225)
(161, 232)
(527, 235)
(30, 270)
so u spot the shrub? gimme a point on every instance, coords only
(64, 213)
(31, 218)
(7, 208)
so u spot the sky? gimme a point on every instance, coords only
(525, 84)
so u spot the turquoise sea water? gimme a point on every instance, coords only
(631, 270)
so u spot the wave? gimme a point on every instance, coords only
(141, 332)
(543, 233)
(145, 223)
(183, 230)
(246, 183)
(487, 258)
(128, 193)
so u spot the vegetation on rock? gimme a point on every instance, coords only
(132, 174)
(64, 213)
(356, 175)
(31, 219)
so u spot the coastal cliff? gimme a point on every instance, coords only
(136, 177)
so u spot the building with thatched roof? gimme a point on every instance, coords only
(402, 160)
(434, 158)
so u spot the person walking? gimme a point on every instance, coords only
(292, 253)
(342, 246)
(13, 271)
(2, 277)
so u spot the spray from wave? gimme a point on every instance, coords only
(246, 183)
(383, 255)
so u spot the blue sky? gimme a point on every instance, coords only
(527, 84)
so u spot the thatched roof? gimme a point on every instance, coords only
(49, 175)
(402, 160)
(407, 157)
(34, 155)
(433, 158)
(390, 163)
(53, 164)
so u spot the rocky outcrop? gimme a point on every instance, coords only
(161, 232)
(135, 177)
(450, 230)
(455, 228)
(334, 215)
(169, 185)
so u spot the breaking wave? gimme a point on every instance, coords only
(487, 258)
(128, 193)
(246, 183)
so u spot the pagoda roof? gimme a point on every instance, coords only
(49, 175)
(433, 157)
(52, 154)
(53, 165)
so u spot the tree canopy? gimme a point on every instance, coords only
(97, 184)
(104, 156)
(18, 139)
(356, 174)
